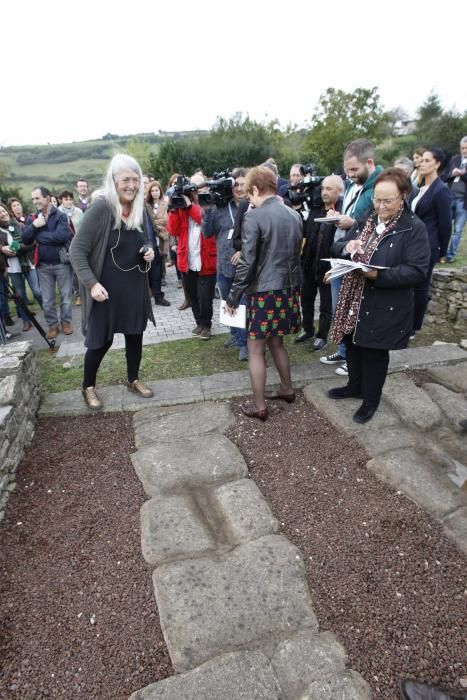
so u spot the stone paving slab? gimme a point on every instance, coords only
(453, 405)
(424, 357)
(420, 479)
(197, 420)
(166, 392)
(349, 686)
(165, 468)
(306, 658)
(235, 676)
(242, 510)
(455, 525)
(454, 378)
(414, 407)
(71, 403)
(211, 606)
(173, 527)
(340, 412)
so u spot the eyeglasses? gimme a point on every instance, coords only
(238, 184)
(384, 202)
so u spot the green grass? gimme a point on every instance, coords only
(170, 360)
(184, 358)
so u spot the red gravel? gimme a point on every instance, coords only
(382, 575)
(78, 614)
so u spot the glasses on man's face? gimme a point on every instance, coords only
(238, 184)
(385, 202)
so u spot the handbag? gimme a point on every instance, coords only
(64, 255)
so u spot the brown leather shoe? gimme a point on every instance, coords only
(254, 413)
(184, 306)
(67, 328)
(279, 396)
(27, 325)
(92, 400)
(52, 332)
(139, 388)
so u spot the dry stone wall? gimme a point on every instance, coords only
(448, 303)
(19, 400)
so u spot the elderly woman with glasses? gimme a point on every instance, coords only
(375, 308)
(111, 255)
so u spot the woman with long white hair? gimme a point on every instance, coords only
(111, 255)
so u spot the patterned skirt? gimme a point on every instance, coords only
(273, 313)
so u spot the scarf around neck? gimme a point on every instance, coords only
(351, 289)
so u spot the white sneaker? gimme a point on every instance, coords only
(342, 370)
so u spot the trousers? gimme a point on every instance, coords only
(368, 369)
(133, 353)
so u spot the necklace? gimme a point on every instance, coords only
(148, 266)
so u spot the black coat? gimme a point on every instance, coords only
(319, 238)
(434, 209)
(385, 317)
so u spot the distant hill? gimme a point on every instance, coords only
(58, 166)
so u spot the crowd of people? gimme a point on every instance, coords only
(259, 245)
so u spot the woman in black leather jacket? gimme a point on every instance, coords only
(375, 309)
(268, 271)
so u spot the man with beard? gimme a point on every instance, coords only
(361, 171)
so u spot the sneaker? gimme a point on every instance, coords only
(243, 354)
(9, 335)
(302, 336)
(342, 371)
(196, 330)
(230, 342)
(333, 359)
(205, 334)
(317, 345)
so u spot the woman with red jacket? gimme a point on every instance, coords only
(196, 259)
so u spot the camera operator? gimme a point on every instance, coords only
(196, 255)
(295, 176)
(219, 222)
(319, 237)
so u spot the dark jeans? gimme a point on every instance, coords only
(155, 276)
(173, 257)
(93, 359)
(200, 289)
(422, 297)
(310, 288)
(368, 370)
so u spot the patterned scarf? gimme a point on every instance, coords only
(353, 282)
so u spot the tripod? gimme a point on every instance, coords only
(12, 295)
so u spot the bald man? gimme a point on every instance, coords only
(319, 238)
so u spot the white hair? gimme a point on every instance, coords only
(108, 191)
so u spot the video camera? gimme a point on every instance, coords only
(183, 186)
(307, 190)
(220, 190)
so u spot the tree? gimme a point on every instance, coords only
(436, 127)
(140, 151)
(341, 117)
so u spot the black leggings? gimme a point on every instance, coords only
(133, 352)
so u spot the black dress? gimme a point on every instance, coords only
(127, 308)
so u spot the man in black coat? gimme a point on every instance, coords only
(319, 238)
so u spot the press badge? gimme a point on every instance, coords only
(230, 234)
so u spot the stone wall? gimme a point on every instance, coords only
(448, 303)
(19, 400)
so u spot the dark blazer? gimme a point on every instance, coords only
(434, 209)
(385, 317)
(455, 162)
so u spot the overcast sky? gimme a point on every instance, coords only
(76, 71)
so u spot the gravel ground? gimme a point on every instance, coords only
(382, 575)
(78, 616)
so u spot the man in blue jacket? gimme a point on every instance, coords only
(361, 171)
(48, 228)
